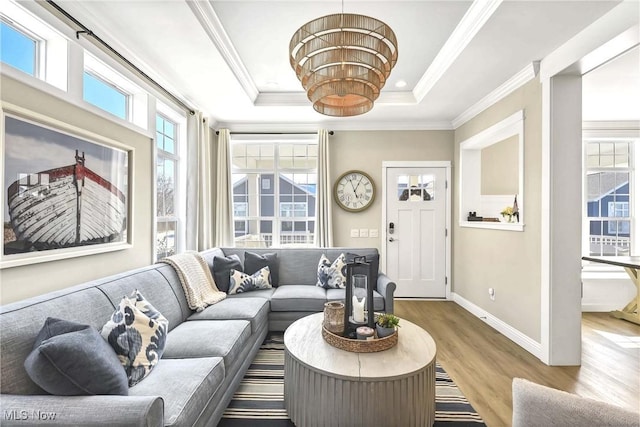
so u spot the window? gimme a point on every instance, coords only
(274, 191)
(31, 46)
(167, 180)
(110, 91)
(18, 49)
(608, 182)
(104, 95)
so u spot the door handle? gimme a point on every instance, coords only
(391, 239)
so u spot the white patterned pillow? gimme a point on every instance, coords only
(137, 332)
(242, 282)
(332, 275)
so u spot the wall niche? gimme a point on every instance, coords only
(492, 175)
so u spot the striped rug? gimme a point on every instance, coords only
(259, 400)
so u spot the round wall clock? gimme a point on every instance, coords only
(354, 191)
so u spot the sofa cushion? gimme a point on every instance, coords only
(338, 295)
(254, 262)
(255, 310)
(332, 274)
(222, 267)
(298, 298)
(240, 282)
(185, 385)
(72, 359)
(137, 332)
(209, 338)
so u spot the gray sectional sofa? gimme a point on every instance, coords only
(206, 354)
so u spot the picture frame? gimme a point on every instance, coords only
(66, 192)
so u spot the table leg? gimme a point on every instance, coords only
(631, 311)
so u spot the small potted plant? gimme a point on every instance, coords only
(386, 324)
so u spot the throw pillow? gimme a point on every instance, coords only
(138, 333)
(372, 271)
(71, 359)
(222, 266)
(332, 275)
(242, 282)
(254, 262)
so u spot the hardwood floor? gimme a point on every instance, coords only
(483, 362)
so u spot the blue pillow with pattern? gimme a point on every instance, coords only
(138, 333)
(332, 275)
(240, 282)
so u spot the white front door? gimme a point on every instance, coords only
(416, 234)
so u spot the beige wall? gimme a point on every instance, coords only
(21, 282)
(507, 261)
(366, 150)
(499, 168)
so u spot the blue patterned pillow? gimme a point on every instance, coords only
(242, 282)
(138, 333)
(332, 275)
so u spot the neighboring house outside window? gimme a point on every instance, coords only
(609, 174)
(274, 192)
(167, 212)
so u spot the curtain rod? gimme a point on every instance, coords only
(273, 133)
(88, 32)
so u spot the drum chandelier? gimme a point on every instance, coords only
(343, 61)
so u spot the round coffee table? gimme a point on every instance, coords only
(326, 386)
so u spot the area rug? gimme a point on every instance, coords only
(259, 400)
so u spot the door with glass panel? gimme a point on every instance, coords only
(416, 231)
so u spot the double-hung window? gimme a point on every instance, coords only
(609, 183)
(167, 187)
(274, 190)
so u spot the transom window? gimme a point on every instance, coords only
(105, 95)
(608, 182)
(274, 191)
(18, 49)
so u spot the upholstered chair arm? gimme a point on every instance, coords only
(386, 288)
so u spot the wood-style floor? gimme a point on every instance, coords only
(483, 362)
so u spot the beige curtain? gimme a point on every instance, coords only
(324, 228)
(223, 202)
(200, 185)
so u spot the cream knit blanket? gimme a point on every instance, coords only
(196, 279)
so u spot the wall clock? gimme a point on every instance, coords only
(354, 191)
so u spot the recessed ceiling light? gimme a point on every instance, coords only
(401, 83)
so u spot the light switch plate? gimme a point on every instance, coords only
(373, 232)
(364, 232)
(355, 232)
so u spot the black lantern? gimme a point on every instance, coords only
(358, 302)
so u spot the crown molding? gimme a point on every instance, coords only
(471, 23)
(203, 11)
(352, 125)
(299, 99)
(519, 79)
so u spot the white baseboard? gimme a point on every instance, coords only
(505, 329)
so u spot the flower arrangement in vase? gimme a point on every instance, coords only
(507, 214)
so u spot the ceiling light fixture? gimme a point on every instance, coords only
(343, 61)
